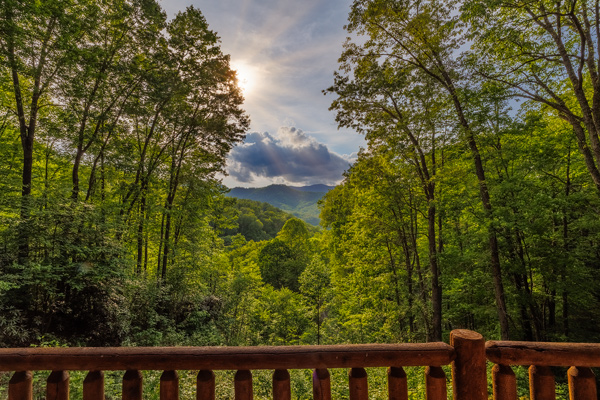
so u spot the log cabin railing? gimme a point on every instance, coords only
(539, 357)
(466, 350)
(467, 354)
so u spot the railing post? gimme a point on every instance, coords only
(504, 383)
(20, 386)
(169, 385)
(469, 374)
(358, 384)
(132, 385)
(435, 383)
(57, 386)
(582, 383)
(281, 385)
(541, 383)
(397, 384)
(242, 383)
(93, 386)
(321, 384)
(205, 385)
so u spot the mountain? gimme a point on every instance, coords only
(300, 201)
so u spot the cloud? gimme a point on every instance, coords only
(289, 156)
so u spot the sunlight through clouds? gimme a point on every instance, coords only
(289, 156)
(285, 52)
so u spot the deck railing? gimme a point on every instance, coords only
(539, 357)
(466, 353)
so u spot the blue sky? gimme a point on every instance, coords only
(286, 52)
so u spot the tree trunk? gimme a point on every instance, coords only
(436, 288)
(487, 206)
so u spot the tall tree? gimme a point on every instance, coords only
(427, 36)
(547, 52)
(399, 110)
(36, 40)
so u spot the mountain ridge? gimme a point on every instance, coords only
(301, 201)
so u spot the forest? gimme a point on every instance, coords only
(475, 203)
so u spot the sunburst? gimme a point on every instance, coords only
(247, 76)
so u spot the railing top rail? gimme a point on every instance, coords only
(226, 358)
(543, 353)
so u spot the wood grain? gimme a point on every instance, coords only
(93, 386)
(543, 353)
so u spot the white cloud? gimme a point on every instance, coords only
(289, 156)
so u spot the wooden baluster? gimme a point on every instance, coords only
(541, 383)
(504, 383)
(321, 384)
(132, 385)
(169, 385)
(435, 383)
(243, 385)
(469, 370)
(20, 386)
(93, 386)
(582, 383)
(205, 385)
(57, 386)
(397, 385)
(359, 389)
(281, 385)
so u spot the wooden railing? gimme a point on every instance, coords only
(243, 360)
(539, 357)
(466, 354)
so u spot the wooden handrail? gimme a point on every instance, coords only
(467, 353)
(226, 358)
(540, 356)
(543, 353)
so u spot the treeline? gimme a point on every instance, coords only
(475, 204)
(113, 124)
(256, 221)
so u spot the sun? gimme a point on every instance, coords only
(246, 75)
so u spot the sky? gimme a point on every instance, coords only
(285, 52)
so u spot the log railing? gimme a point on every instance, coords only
(466, 354)
(539, 357)
(466, 351)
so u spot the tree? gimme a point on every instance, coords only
(314, 282)
(545, 52)
(279, 265)
(36, 41)
(425, 37)
(400, 112)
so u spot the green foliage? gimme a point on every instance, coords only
(301, 202)
(257, 220)
(279, 265)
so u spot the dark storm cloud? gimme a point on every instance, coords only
(290, 155)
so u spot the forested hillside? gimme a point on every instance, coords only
(300, 201)
(475, 203)
(256, 221)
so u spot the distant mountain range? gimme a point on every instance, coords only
(300, 201)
